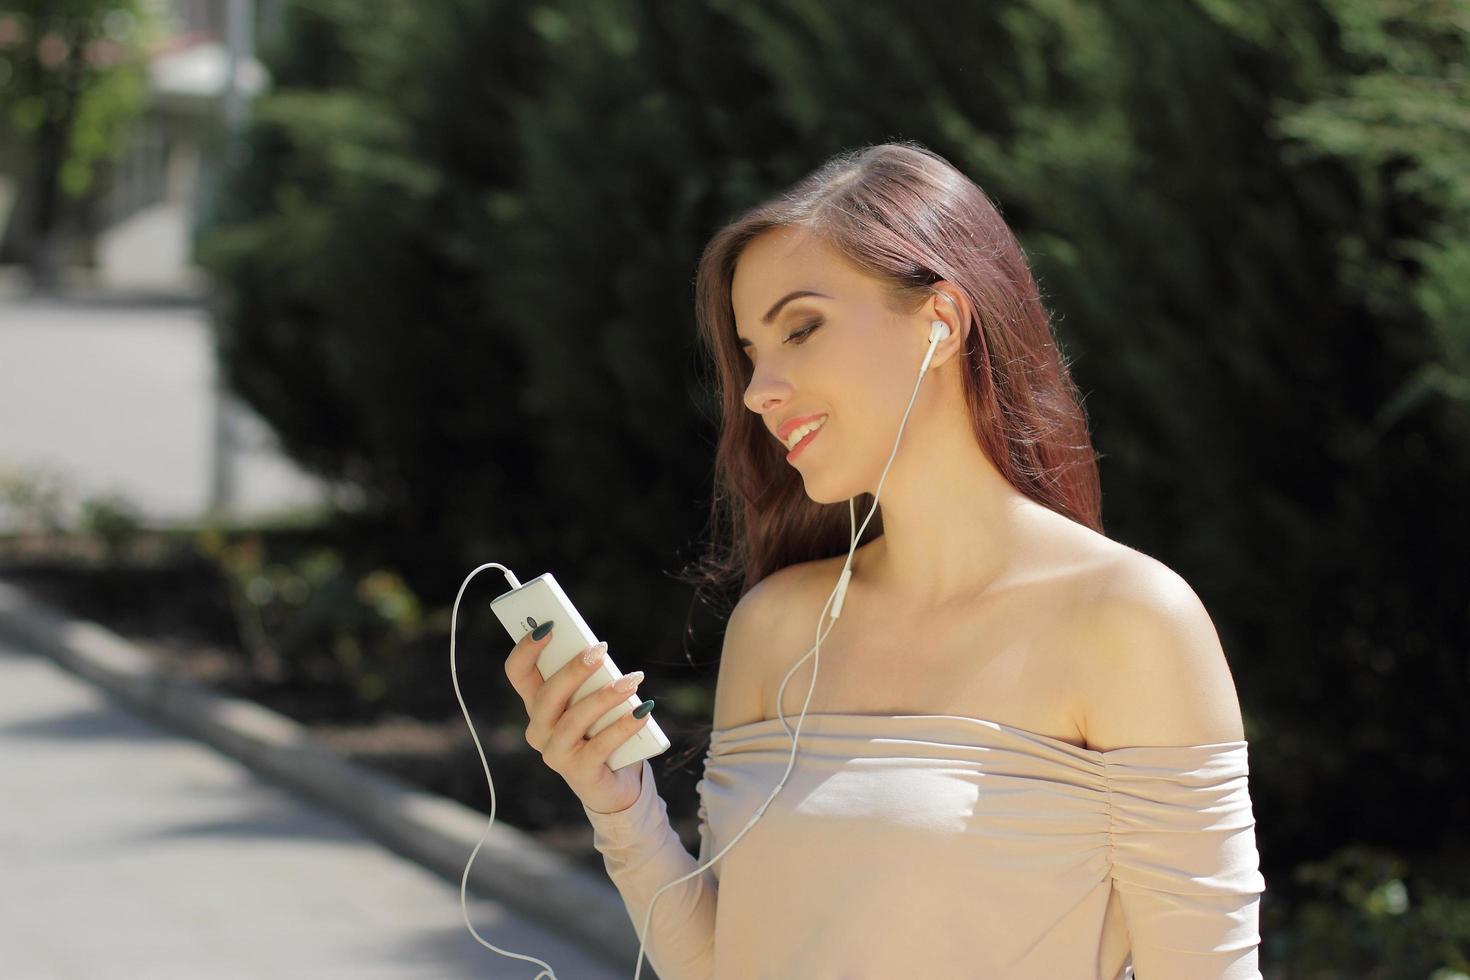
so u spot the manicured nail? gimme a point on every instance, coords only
(627, 682)
(593, 656)
(541, 631)
(643, 708)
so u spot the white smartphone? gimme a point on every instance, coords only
(541, 599)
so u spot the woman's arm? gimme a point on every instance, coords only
(640, 849)
(642, 853)
(1160, 703)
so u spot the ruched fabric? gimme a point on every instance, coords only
(947, 846)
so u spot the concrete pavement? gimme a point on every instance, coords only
(115, 394)
(129, 851)
(149, 827)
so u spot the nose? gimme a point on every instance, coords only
(764, 393)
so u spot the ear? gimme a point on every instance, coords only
(948, 304)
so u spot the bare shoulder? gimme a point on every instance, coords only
(755, 625)
(1153, 671)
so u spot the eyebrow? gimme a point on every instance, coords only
(771, 313)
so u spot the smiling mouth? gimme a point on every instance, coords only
(801, 443)
(815, 422)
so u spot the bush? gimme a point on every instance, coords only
(317, 620)
(114, 521)
(1369, 916)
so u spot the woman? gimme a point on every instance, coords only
(1020, 752)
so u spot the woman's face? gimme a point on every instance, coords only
(841, 354)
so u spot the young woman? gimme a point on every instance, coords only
(1022, 754)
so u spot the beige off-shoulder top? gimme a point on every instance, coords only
(942, 846)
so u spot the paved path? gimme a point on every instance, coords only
(114, 396)
(127, 851)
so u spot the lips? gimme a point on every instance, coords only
(801, 444)
(785, 428)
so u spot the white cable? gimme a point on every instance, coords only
(838, 594)
(546, 970)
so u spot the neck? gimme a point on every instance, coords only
(953, 526)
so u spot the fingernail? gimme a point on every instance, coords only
(541, 631)
(627, 682)
(643, 708)
(593, 656)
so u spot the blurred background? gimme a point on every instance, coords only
(309, 307)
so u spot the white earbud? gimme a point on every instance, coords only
(938, 330)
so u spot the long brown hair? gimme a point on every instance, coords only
(906, 216)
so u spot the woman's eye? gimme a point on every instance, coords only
(798, 335)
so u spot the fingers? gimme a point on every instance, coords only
(600, 747)
(550, 700)
(570, 733)
(520, 666)
(561, 732)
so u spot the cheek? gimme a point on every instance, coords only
(866, 390)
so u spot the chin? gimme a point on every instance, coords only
(823, 486)
(822, 491)
(824, 498)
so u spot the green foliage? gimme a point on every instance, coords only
(34, 499)
(82, 64)
(462, 282)
(114, 521)
(1368, 917)
(316, 620)
(1399, 117)
(103, 115)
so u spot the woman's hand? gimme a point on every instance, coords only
(560, 733)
